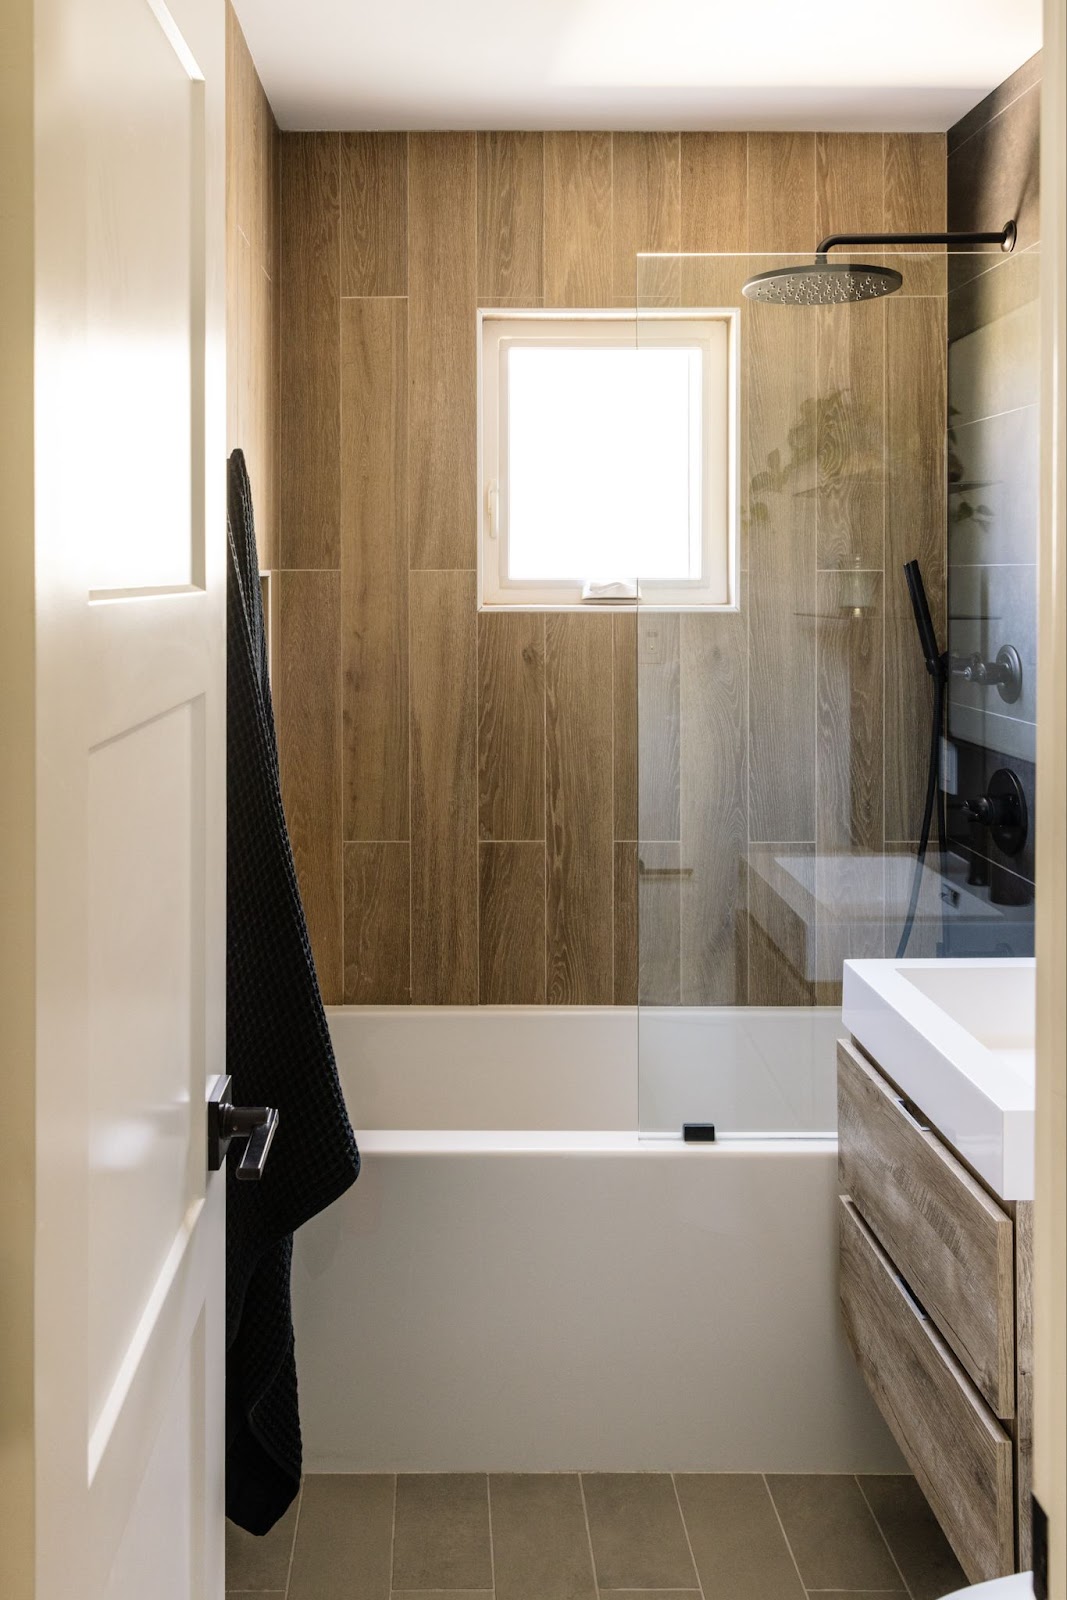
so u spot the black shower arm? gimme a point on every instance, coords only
(1005, 238)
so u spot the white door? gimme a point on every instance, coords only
(130, 549)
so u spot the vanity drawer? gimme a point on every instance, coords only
(947, 1235)
(960, 1454)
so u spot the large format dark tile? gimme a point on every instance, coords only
(993, 176)
(993, 481)
(343, 1542)
(260, 1563)
(637, 1533)
(737, 1541)
(919, 1548)
(832, 1533)
(996, 367)
(442, 1532)
(996, 101)
(540, 1540)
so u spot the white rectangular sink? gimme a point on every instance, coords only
(957, 1037)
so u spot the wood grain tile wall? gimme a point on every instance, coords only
(251, 300)
(476, 818)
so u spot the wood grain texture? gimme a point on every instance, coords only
(658, 726)
(511, 191)
(442, 349)
(444, 789)
(713, 804)
(781, 517)
(578, 776)
(374, 565)
(578, 244)
(624, 975)
(916, 201)
(377, 919)
(773, 980)
(851, 436)
(849, 194)
(850, 884)
(953, 1243)
(511, 725)
(309, 357)
(646, 210)
(959, 1453)
(511, 936)
(624, 713)
(714, 192)
(1024, 1382)
(915, 527)
(374, 206)
(781, 191)
(308, 654)
(660, 886)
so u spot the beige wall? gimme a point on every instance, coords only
(17, 791)
(463, 790)
(251, 304)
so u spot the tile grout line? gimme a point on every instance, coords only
(785, 1536)
(296, 1532)
(688, 1540)
(881, 1532)
(588, 1532)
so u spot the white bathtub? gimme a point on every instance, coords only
(520, 1281)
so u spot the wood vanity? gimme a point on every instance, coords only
(935, 1293)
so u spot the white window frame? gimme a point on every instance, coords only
(499, 329)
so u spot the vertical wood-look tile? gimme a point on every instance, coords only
(658, 726)
(578, 777)
(782, 526)
(626, 938)
(511, 953)
(309, 512)
(714, 816)
(916, 201)
(781, 191)
(915, 527)
(850, 860)
(578, 257)
(659, 924)
(849, 195)
(646, 210)
(374, 206)
(624, 711)
(444, 789)
(377, 922)
(374, 563)
(851, 435)
(714, 191)
(511, 169)
(511, 725)
(442, 349)
(308, 656)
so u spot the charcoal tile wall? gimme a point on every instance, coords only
(993, 174)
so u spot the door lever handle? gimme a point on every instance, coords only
(257, 1125)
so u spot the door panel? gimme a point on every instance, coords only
(130, 547)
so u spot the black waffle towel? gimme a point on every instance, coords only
(278, 1053)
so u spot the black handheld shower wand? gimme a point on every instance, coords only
(937, 667)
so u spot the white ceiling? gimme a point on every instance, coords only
(850, 64)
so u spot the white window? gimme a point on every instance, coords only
(606, 453)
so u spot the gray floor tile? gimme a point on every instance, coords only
(834, 1537)
(861, 1594)
(638, 1536)
(255, 1594)
(738, 1545)
(343, 1541)
(914, 1535)
(442, 1594)
(650, 1594)
(442, 1532)
(540, 1541)
(260, 1563)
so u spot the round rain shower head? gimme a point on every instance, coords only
(824, 283)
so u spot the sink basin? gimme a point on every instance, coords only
(957, 1037)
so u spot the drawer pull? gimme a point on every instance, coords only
(913, 1116)
(910, 1298)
